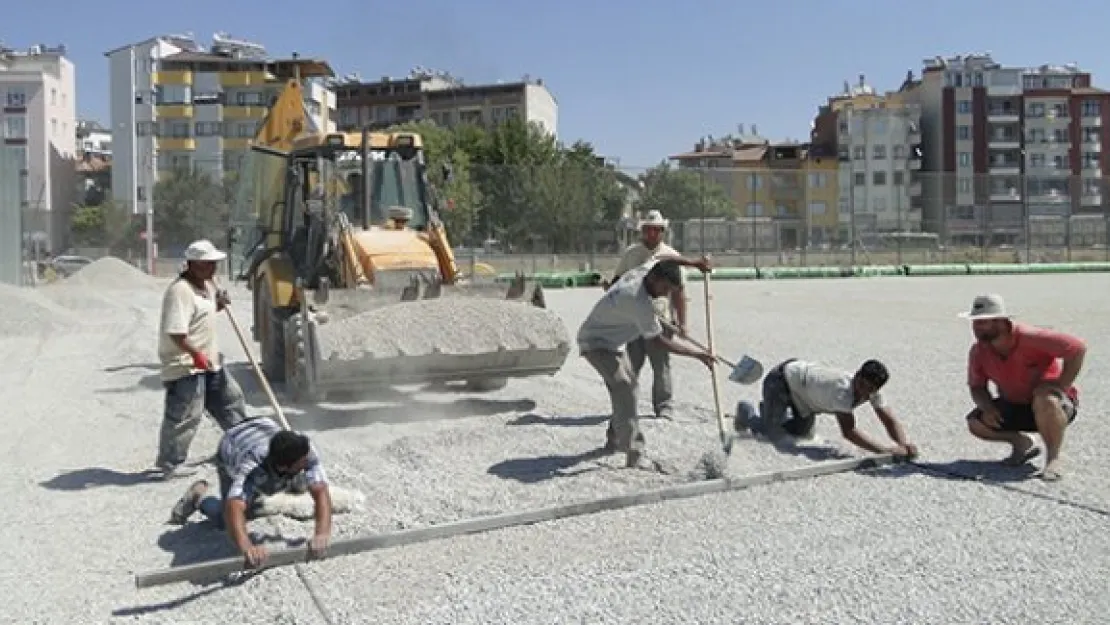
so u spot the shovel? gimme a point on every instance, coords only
(747, 371)
(723, 428)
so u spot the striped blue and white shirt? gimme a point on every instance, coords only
(243, 450)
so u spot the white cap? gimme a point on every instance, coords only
(203, 250)
(655, 218)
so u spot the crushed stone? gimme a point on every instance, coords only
(712, 465)
(24, 311)
(460, 325)
(112, 273)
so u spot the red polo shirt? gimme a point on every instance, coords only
(1035, 358)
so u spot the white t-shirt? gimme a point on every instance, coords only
(624, 314)
(817, 389)
(637, 254)
(192, 312)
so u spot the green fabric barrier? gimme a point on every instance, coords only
(726, 273)
(865, 271)
(1068, 267)
(936, 270)
(995, 269)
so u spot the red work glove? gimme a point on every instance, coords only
(200, 361)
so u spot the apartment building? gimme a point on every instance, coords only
(176, 104)
(877, 140)
(37, 122)
(788, 186)
(93, 140)
(1018, 151)
(438, 96)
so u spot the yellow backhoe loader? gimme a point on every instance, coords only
(354, 281)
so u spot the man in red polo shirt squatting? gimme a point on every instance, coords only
(1034, 370)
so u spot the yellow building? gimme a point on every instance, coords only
(787, 184)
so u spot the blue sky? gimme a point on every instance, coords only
(640, 80)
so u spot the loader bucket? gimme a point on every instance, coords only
(361, 339)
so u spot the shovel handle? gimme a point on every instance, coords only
(673, 328)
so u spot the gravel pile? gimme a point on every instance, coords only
(111, 273)
(24, 311)
(461, 325)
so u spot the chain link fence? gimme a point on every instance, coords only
(580, 213)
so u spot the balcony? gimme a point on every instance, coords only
(177, 144)
(244, 79)
(914, 164)
(172, 78)
(1005, 195)
(1091, 200)
(1092, 121)
(1005, 168)
(174, 110)
(1003, 116)
(244, 112)
(1004, 142)
(1049, 196)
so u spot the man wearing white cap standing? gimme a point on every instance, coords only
(1034, 370)
(651, 245)
(192, 373)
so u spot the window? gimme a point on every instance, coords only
(1092, 135)
(1060, 111)
(878, 152)
(173, 94)
(15, 127)
(859, 179)
(1060, 135)
(755, 182)
(1092, 108)
(54, 126)
(978, 79)
(878, 178)
(1036, 135)
(53, 97)
(1035, 109)
(965, 185)
(842, 128)
(208, 129)
(899, 178)
(963, 133)
(1036, 161)
(817, 208)
(177, 130)
(1091, 160)
(755, 209)
(859, 153)
(248, 98)
(17, 98)
(782, 210)
(1059, 161)
(965, 159)
(245, 130)
(964, 107)
(818, 180)
(19, 155)
(961, 212)
(899, 151)
(146, 129)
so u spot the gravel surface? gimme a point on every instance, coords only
(450, 325)
(84, 403)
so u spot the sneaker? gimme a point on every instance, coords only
(187, 505)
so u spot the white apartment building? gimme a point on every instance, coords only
(93, 140)
(175, 104)
(38, 116)
(878, 140)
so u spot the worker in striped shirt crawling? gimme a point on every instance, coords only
(257, 457)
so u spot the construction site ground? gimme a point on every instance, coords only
(897, 545)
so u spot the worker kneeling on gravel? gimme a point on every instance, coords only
(624, 314)
(796, 391)
(1034, 370)
(192, 373)
(671, 309)
(256, 458)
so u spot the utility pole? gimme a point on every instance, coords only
(153, 172)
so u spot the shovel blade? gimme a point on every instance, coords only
(747, 371)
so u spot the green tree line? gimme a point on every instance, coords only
(512, 183)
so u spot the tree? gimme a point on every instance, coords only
(189, 205)
(105, 225)
(683, 194)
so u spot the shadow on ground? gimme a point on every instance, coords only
(543, 468)
(96, 477)
(533, 418)
(961, 470)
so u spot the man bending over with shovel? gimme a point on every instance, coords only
(796, 391)
(624, 314)
(257, 457)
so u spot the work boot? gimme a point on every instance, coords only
(747, 418)
(187, 505)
